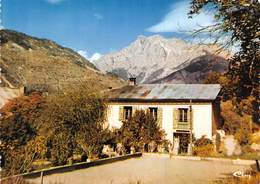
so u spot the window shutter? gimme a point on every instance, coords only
(106, 116)
(159, 117)
(147, 111)
(134, 110)
(189, 117)
(107, 112)
(175, 118)
(121, 113)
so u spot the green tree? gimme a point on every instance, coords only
(73, 123)
(139, 131)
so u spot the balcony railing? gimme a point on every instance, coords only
(182, 125)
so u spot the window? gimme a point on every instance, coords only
(183, 115)
(127, 112)
(153, 112)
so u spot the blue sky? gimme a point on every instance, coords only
(97, 27)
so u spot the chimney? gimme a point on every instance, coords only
(132, 81)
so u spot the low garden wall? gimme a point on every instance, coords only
(76, 166)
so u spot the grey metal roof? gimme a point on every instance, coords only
(164, 92)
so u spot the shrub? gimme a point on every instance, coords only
(255, 138)
(38, 146)
(61, 148)
(203, 141)
(242, 136)
(203, 147)
(204, 151)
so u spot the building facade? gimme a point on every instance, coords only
(181, 110)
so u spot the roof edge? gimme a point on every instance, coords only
(158, 100)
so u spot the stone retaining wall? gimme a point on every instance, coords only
(77, 166)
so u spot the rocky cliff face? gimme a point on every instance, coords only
(40, 63)
(197, 70)
(155, 58)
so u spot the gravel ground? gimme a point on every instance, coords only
(147, 170)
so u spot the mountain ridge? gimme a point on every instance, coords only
(154, 57)
(42, 63)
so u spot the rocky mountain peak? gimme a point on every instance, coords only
(151, 58)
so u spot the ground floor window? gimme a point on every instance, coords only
(128, 110)
(153, 112)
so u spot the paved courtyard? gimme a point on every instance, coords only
(147, 170)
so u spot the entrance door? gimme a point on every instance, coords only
(184, 140)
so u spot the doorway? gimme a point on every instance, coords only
(184, 140)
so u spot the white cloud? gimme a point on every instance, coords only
(54, 1)
(92, 58)
(98, 16)
(177, 20)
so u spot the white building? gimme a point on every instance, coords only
(178, 108)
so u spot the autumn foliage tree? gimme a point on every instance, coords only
(238, 22)
(17, 128)
(53, 127)
(224, 81)
(18, 119)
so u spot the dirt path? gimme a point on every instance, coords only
(147, 170)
